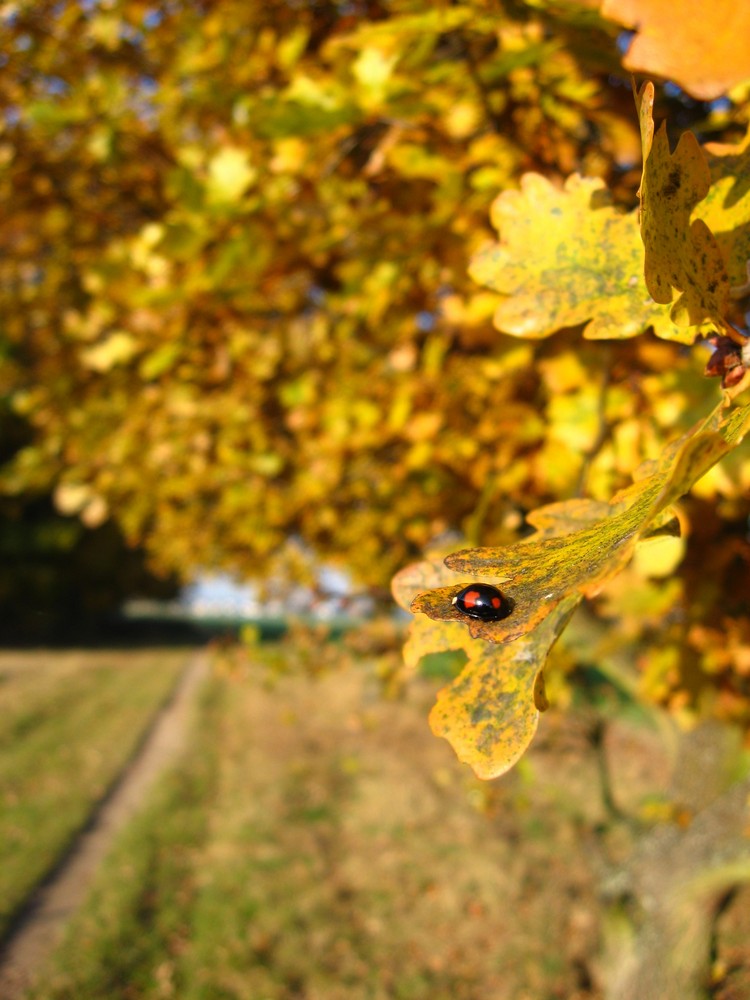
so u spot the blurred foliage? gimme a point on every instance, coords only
(238, 318)
(61, 581)
(234, 281)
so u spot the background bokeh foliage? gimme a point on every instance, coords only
(237, 309)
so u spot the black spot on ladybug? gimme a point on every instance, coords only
(480, 600)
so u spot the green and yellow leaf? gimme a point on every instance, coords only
(567, 257)
(538, 573)
(684, 264)
(726, 207)
(489, 713)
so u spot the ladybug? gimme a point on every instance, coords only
(480, 600)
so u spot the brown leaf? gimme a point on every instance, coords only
(702, 47)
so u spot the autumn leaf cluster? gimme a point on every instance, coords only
(491, 710)
(292, 282)
(235, 268)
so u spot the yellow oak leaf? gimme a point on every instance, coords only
(684, 263)
(539, 572)
(568, 257)
(566, 516)
(702, 47)
(726, 207)
(490, 712)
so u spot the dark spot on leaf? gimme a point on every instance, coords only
(673, 183)
(487, 711)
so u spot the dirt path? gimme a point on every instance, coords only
(50, 907)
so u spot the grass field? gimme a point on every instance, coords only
(68, 723)
(317, 842)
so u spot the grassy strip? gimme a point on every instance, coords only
(314, 842)
(214, 889)
(128, 939)
(68, 724)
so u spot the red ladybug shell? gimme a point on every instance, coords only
(480, 600)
